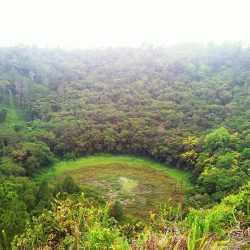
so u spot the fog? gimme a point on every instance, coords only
(99, 23)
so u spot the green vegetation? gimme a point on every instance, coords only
(76, 225)
(14, 116)
(139, 184)
(161, 115)
(66, 166)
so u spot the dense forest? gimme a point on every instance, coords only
(186, 106)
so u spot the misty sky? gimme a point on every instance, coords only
(102, 23)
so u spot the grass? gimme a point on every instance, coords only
(64, 166)
(127, 185)
(138, 183)
(14, 115)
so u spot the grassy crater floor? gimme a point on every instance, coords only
(139, 184)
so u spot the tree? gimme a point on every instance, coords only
(3, 115)
(32, 156)
(13, 212)
(217, 139)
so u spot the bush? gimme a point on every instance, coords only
(116, 211)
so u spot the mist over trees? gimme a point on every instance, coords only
(187, 106)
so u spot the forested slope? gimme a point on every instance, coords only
(188, 106)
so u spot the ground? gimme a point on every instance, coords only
(137, 183)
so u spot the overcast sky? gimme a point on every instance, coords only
(102, 23)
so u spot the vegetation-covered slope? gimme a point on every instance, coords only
(186, 106)
(77, 225)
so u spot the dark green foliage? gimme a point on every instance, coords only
(3, 115)
(13, 212)
(116, 211)
(68, 185)
(8, 167)
(32, 156)
(141, 101)
(44, 196)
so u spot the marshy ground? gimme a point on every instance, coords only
(138, 184)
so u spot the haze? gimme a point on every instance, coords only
(89, 24)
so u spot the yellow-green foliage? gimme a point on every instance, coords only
(223, 217)
(71, 224)
(78, 225)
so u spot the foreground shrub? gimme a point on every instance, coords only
(70, 224)
(79, 225)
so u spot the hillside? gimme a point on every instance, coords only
(186, 107)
